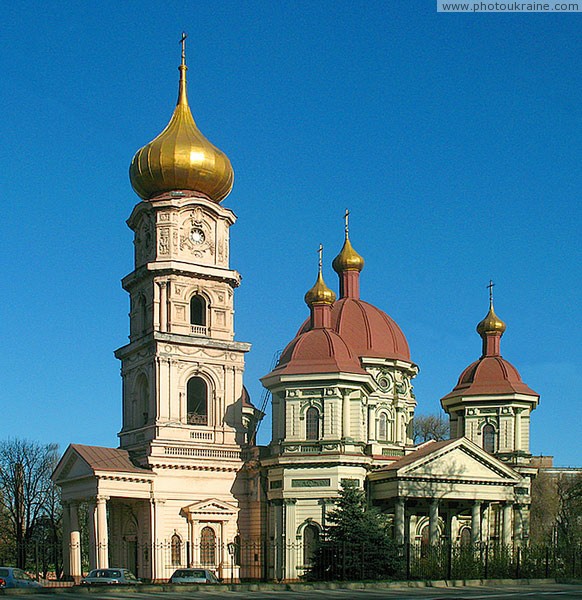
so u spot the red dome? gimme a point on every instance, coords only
(317, 351)
(367, 330)
(490, 375)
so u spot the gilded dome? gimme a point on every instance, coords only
(491, 323)
(181, 158)
(319, 293)
(348, 259)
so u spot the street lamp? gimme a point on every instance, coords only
(231, 547)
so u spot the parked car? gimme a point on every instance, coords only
(16, 578)
(112, 576)
(194, 576)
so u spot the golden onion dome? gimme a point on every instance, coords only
(319, 293)
(348, 259)
(491, 323)
(181, 158)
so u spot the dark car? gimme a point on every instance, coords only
(193, 576)
(16, 578)
(112, 576)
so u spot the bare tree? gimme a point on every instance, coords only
(25, 488)
(556, 508)
(430, 427)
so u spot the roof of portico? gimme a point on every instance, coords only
(95, 460)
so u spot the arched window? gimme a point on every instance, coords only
(197, 399)
(424, 540)
(312, 423)
(383, 427)
(176, 548)
(198, 314)
(465, 537)
(310, 540)
(207, 546)
(489, 438)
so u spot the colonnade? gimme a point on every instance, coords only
(513, 520)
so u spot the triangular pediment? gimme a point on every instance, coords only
(459, 461)
(210, 506)
(71, 466)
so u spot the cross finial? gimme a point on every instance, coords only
(183, 42)
(491, 286)
(320, 252)
(347, 221)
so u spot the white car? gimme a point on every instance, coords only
(193, 576)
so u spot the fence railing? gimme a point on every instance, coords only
(265, 560)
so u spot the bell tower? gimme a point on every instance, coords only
(183, 393)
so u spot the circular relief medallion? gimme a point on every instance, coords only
(384, 381)
(197, 236)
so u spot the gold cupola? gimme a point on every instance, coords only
(181, 158)
(320, 293)
(491, 323)
(348, 259)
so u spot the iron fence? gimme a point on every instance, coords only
(265, 560)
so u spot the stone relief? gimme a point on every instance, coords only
(143, 239)
(164, 242)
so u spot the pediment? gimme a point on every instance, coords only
(211, 506)
(71, 466)
(460, 461)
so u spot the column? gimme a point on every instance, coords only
(371, 423)
(93, 541)
(485, 522)
(346, 415)
(476, 522)
(102, 533)
(507, 524)
(399, 522)
(155, 542)
(292, 547)
(517, 441)
(75, 543)
(66, 541)
(398, 425)
(518, 524)
(163, 305)
(433, 522)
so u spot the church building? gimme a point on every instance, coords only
(188, 486)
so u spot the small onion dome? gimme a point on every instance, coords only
(348, 259)
(491, 323)
(319, 293)
(181, 158)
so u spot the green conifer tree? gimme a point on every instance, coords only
(356, 543)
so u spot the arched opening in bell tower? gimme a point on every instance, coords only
(489, 438)
(198, 314)
(312, 423)
(197, 401)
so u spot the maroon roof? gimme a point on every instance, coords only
(368, 331)
(490, 375)
(318, 351)
(107, 459)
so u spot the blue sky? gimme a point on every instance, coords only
(454, 139)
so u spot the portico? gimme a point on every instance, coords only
(450, 490)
